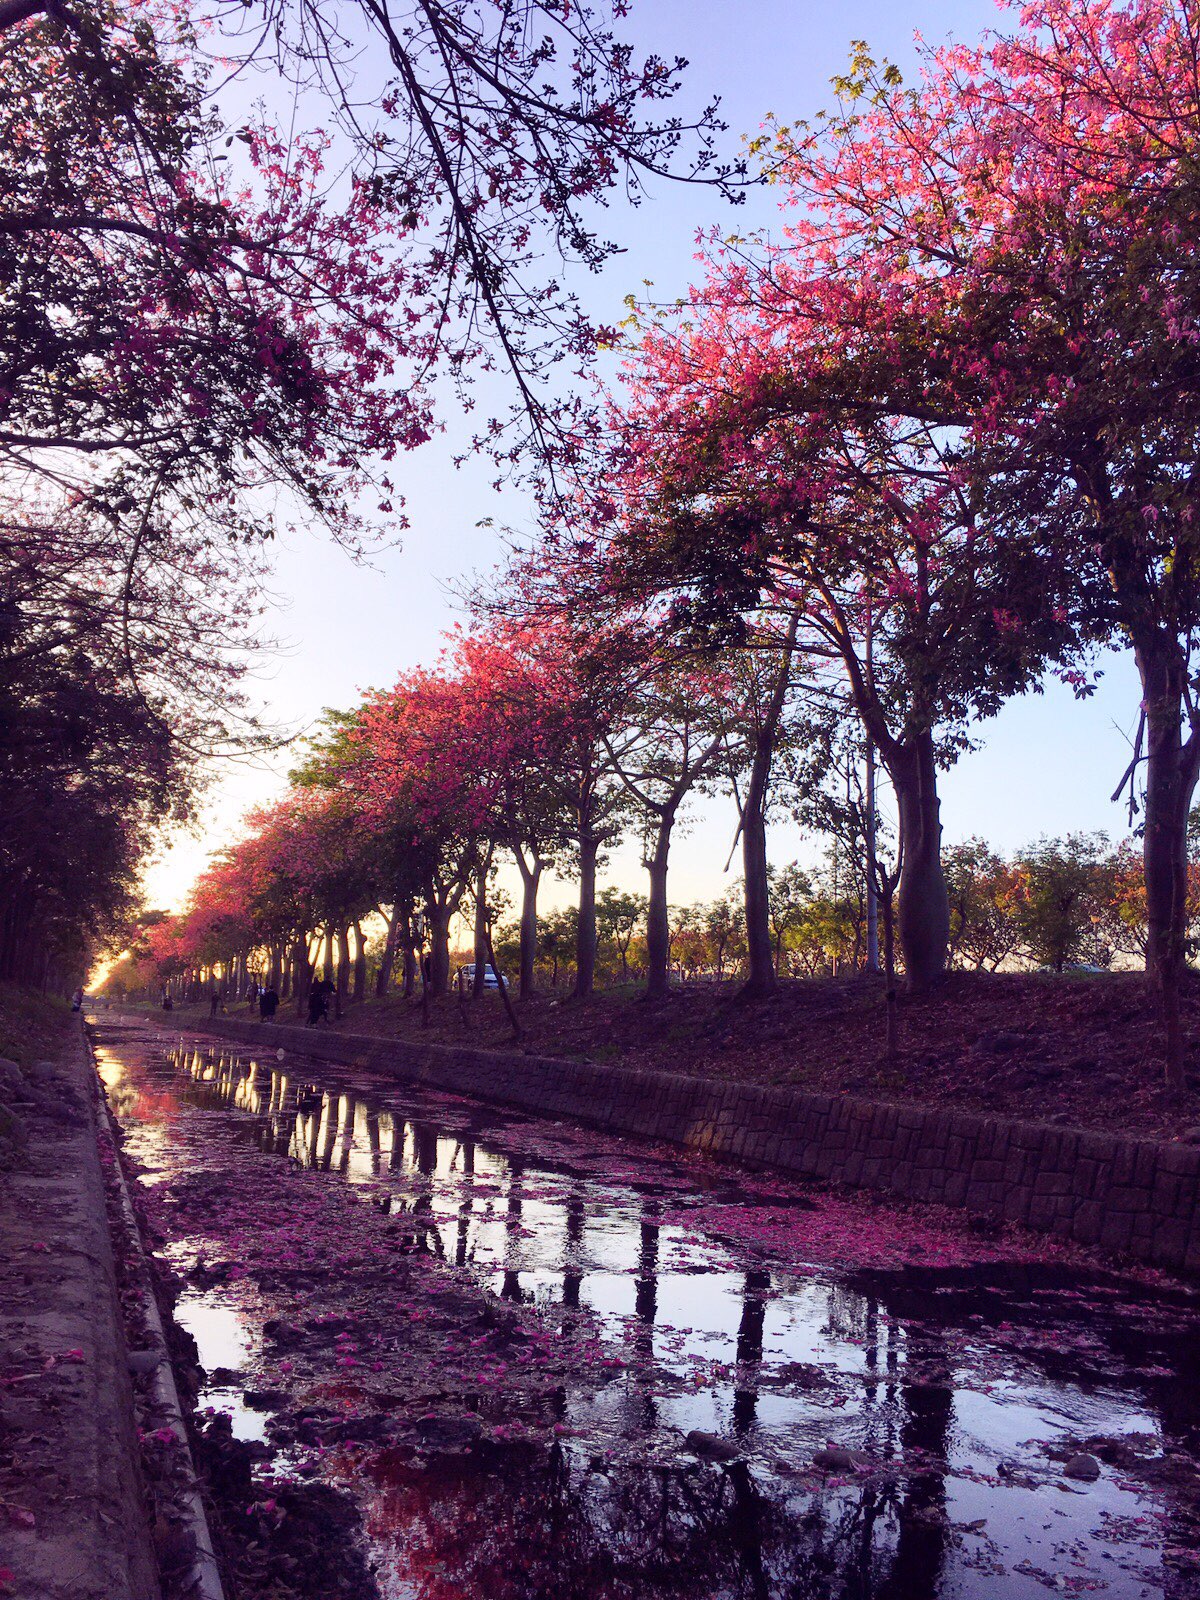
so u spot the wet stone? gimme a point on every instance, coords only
(448, 1432)
(283, 1333)
(263, 1399)
(144, 1361)
(837, 1459)
(710, 1446)
(1083, 1466)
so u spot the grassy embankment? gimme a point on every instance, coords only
(33, 1027)
(1080, 1050)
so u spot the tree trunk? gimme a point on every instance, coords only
(760, 962)
(658, 917)
(760, 951)
(481, 932)
(923, 905)
(1172, 763)
(327, 966)
(500, 979)
(304, 973)
(530, 877)
(439, 949)
(388, 960)
(342, 991)
(360, 964)
(585, 942)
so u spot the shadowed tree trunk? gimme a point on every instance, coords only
(388, 959)
(760, 952)
(439, 915)
(303, 969)
(1172, 767)
(531, 873)
(658, 911)
(343, 971)
(360, 963)
(922, 902)
(585, 942)
(481, 928)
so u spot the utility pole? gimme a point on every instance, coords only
(872, 892)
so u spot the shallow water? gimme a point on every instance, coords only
(959, 1371)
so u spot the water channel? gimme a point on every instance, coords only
(785, 1394)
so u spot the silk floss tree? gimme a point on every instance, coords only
(762, 468)
(1030, 210)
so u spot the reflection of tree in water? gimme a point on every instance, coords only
(346, 1136)
(572, 1276)
(848, 1313)
(544, 1528)
(707, 1530)
(755, 1289)
(642, 1409)
(465, 1206)
(511, 1287)
(928, 1410)
(374, 1140)
(399, 1135)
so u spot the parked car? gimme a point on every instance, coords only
(466, 976)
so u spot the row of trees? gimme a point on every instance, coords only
(542, 745)
(1056, 905)
(944, 432)
(208, 328)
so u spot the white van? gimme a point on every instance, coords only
(466, 976)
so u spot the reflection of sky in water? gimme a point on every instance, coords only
(702, 1333)
(223, 1339)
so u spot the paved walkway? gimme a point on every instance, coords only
(72, 1518)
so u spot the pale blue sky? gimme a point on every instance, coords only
(1046, 765)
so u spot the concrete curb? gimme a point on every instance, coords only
(203, 1582)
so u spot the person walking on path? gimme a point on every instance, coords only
(214, 1001)
(77, 1000)
(268, 1004)
(318, 1001)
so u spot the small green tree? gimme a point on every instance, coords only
(789, 892)
(618, 917)
(557, 934)
(1058, 890)
(725, 931)
(983, 887)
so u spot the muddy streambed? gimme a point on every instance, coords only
(507, 1358)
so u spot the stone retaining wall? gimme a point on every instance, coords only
(1137, 1197)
